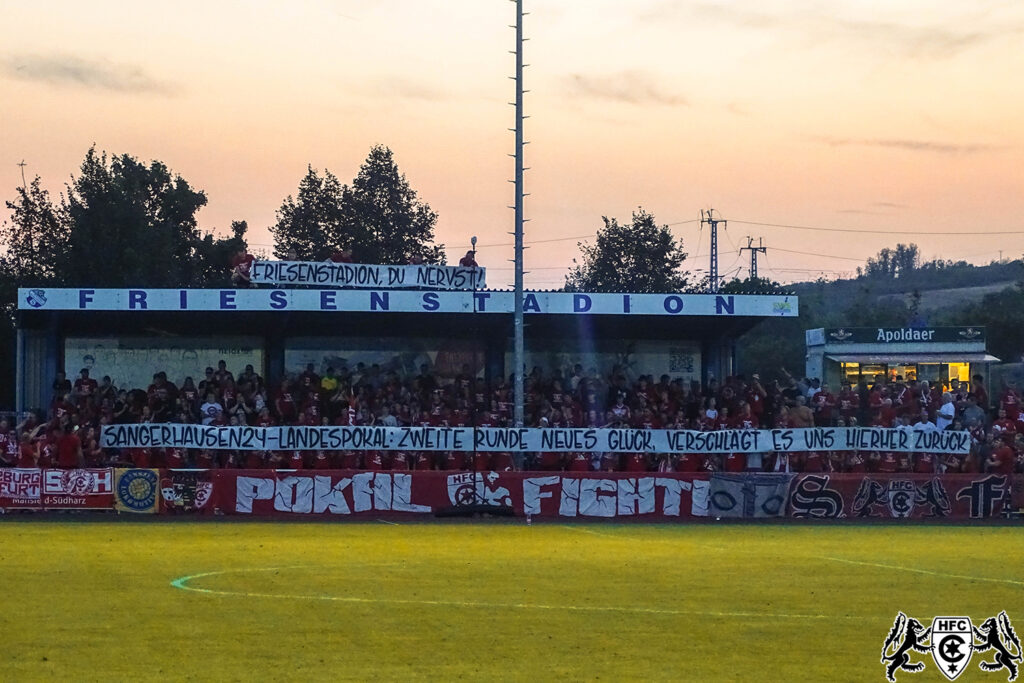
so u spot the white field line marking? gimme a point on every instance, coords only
(183, 584)
(921, 571)
(384, 521)
(590, 531)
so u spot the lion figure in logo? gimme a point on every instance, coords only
(907, 635)
(997, 634)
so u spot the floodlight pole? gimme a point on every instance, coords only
(518, 353)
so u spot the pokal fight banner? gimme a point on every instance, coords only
(367, 276)
(663, 497)
(654, 497)
(899, 496)
(526, 440)
(559, 495)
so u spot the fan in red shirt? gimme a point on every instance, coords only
(736, 462)
(175, 458)
(469, 260)
(399, 462)
(374, 461)
(579, 462)
(887, 463)
(847, 402)
(241, 268)
(1003, 423)
(1010, 403)
(1002, 459)
(422, 460)
(47, 446)
(322, 461)
(285, 404)
(69, 449)
(746, 419)
(813, 462)
(205, 460)
(140, 457)
(689, 462)
(636, 462)
(255, 460)
(28, 452)
(502, 462)
(822, 404)
(855, 462)
(10, 448)
(454, 461)
(342, 256)
(924, 463)
(85, 387)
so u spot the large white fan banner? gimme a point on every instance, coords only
(368, 276)
(525, 440)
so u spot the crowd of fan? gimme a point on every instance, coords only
(68, 435)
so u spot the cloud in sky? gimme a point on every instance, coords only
(818, 26)
(911, 145)
(63, 70)
(408, 88)
(631, 87)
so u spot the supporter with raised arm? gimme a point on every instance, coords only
(69, 448)
(241, 268)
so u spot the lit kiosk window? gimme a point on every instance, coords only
(933, 354)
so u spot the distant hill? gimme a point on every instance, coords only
(930, 294)
(938, 299)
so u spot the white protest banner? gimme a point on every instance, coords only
(491, 439)
(367, 276)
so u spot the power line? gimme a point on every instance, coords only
(808, 253)
(879, 232)
(562, 239)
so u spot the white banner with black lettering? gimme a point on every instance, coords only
(330, 274)
(490, 439)
(385, 300)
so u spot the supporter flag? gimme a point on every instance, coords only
(136, 490)
(748, 495)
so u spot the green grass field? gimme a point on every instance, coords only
(272, 601)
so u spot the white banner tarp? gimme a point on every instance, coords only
(489, 439)
(327, 273)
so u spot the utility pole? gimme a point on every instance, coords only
(708, 217)
(753, 253)
(518, 351)
(23, 165)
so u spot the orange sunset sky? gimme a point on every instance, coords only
(862, 115)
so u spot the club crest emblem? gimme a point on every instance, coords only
(952, 642)
(902, 494)
(36, 298)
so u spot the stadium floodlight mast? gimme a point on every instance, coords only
(518, 355)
